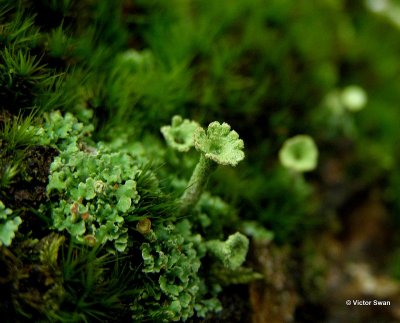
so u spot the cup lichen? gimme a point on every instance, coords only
(179, 135)
(299, 153)
(218, 145)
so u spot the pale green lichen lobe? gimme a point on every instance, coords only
(232, 252)
(8, 225)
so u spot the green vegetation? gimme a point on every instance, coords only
(8, 225)
(106, 211)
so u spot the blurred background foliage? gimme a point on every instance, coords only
(270, 68)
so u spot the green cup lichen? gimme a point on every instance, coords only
(218, 145)
(299, 153)
(180, 134)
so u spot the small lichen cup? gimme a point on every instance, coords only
(299, 153)
(218, 145)
(180, 134)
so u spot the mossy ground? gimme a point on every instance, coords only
(113, 73)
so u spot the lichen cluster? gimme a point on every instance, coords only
(96, 201)
(172, 259)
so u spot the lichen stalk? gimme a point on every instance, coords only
(197, 183)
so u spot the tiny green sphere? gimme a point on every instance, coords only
(354, 98)
(299, 153)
